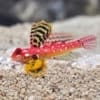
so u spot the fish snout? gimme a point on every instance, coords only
(17, 54)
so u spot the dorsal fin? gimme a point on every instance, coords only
(39, 33)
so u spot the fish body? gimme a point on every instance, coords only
(56, 48)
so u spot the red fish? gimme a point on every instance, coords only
(52, 49)
(42, 46)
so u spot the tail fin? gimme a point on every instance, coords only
(88, 42)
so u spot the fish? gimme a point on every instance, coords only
(52, 49)
(49, 50)
(34, 56)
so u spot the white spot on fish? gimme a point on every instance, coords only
(26, 55)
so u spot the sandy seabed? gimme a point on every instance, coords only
(68, 78)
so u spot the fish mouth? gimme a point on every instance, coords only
(17, 58)
(17, 55)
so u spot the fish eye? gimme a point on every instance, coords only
(18, 51)
(34, 57)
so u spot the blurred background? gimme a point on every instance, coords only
(20, 11)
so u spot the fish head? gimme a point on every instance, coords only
(17, 55)
(23, 55)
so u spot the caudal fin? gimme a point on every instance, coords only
(88, 42)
